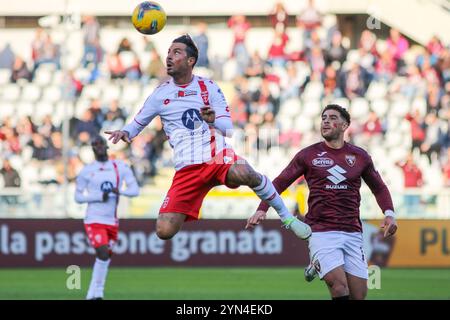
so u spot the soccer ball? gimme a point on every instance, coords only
(149, 17)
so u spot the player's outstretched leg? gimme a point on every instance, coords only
(99, 273)
(242, 173)
(310, 272)
(168, 224)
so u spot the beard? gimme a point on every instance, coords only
(101, 157)
(331, 136)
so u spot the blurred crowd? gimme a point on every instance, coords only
(280, 92)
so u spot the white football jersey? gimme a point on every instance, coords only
(99, 177)
(192, 139)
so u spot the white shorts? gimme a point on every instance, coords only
(331, 249)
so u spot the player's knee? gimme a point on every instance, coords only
(164, 233)
(338, 288)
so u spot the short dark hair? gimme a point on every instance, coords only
(344, 113)
(97, 140)
(191, 48)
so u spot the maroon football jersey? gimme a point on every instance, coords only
(334, 179)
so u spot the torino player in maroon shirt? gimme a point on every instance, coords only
(333, 170)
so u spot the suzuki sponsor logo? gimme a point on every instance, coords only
(322, 162)
(336, 177)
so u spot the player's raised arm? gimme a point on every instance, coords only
(148, 112)
(383, 197)
(117, 135)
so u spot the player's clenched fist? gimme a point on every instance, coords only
(117, 135)
(208, 114)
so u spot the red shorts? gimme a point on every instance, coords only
(191, 184)
(101, 234)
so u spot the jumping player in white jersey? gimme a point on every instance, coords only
(196, 119)
(99, 185)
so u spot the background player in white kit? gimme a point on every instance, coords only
(99, 185)
(196, 118)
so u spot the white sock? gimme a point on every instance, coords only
(98, 279)
(266, 192)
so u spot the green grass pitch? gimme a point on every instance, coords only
(215, 284)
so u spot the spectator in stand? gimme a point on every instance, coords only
(87, 124)
(385, 67)
(279, 17)
(12, 144)
(435, 133)
(372, 127)
(367, 47)
(435, 48)
(417, 129)
(156, 68)
(95, 108)
(114, 117)
(317, 62)
(256, 66)
(434, 99)
(56, 146)
(397, 45)
(47, 127)
(443, 65)
(314, 41)
(330, 83)
(291, 85)
(277, 55)
(124, 45)
(115, 66)
(47, 53)
(415, 84)
(20, 70)
(11, 179)
(412, 176)
(40, 147)
(37, 44)
(269, 132)
(75, 86)
(308, 20)
(133, 69)
(429, 73)
(355, 81)
(263, 101)
(25, 129)
(7, 57)
(202, 42)
(239, 25)
(335, 51)
(239, 114)
(93, 52)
